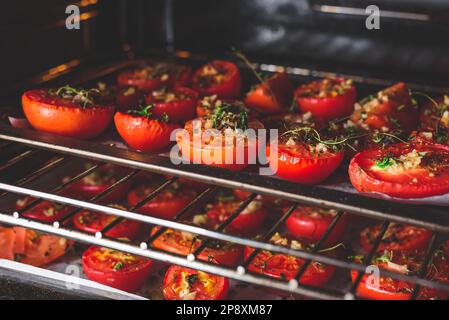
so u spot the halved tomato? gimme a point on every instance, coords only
(388, 110)
(285, 267)
(184, 243)
(178, 104)
(246, 223)
(408, 262)
(128, 97)
(67, 111)
(93, 222)
(218, 77)
(398, 237)
(45, 211)
(188, 284)
(116, 269)
(327, 99)
(405, 170)
(165, 205)
(272, 96)
(266, 200)
(7, 240)
(143, 133)
(310, 223)
(152, 76)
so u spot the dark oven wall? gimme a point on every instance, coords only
(413, 46)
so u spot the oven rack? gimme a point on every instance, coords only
(67, 149)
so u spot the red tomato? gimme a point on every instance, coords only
(285, 267)
(310, 223)
(327, 99)
(218, 77)
(272, 96)
(398, 237)
(184, 243)
(390, 109)
(247, 222)
(116, 269)
(187, 284)
(127, 98)
(67, 113)
(97, 182)
(165, 205)
(45, 211)
(297, 163)
(142, 133)
(93, 222)
(268, 200)
(7, 240)
(213, 148)
(183, 75)
(434, 121)
(179, 104)
(150, 77)
(406, 263)
(402, 170)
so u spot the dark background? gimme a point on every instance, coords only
(34, 38)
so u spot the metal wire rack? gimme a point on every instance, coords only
(65, 150)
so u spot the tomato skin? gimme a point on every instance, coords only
(310, 170)
(176, 242)
(378, 115)
(183, 76)
(142, 133)
(330, 107)
(272, 96)
(58, 116)
(399, 238)
(303, 224)
(44, 211)
(128, 98)
(246, 223)
(7, 242)
(174, 276)
(93, 222)
(284, 266)
(130, 280)
(87, 191)
(229, 88)
(178, 110)
(162, 206)
(401, 186)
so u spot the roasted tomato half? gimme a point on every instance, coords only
(67, 111)
(184, 243)
(285, 267)
(31, 247)
(97, 182)
(398, 237)
(327, 99)
(272, 96)
(116, 269)
(405, 170)
(93, 222)
(128, 97)
(434, 121)
(310, 223)
(166, 204)
(143, 131)
(45, 211)
(246, 223)
(220, 139)
(218, 77)
(187, 284)
(408, 263)
(389, 110)
(303, 156)
(155, 76)
(179, 104)
(269, 201)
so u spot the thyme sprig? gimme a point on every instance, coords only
(223, 117)
(145, 111)
(79, 96)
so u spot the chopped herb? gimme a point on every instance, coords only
(385, 162)
(192, 279)
(118, 266)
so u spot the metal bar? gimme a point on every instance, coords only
(19, 158)
(98, 196)
(266, 237)
(36, 174)
(223, 225)
(59, 188)
(367, 259)
(146, 199)
(425, 265)
(297, 278)
(435, 219)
